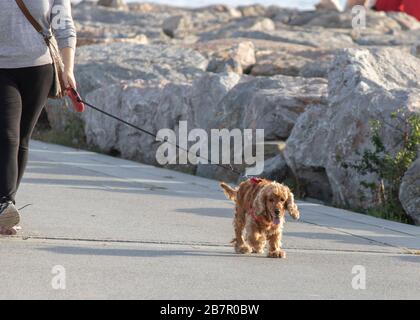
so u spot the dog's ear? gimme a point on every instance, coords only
(230, 192)
(291, 205)
(260, 200)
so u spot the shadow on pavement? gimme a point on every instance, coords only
(125, 187)
(333, 237)
(210, 212)
(413, 259)
(140, 252)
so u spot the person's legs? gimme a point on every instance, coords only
(34, 85)
(10, 115)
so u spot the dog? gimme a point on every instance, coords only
(261, 207)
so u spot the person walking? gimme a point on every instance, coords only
(26, 78)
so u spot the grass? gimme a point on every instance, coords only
(72, 136)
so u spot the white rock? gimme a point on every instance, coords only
(363, 85)
(410, 192)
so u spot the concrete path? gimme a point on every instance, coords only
(120, 229)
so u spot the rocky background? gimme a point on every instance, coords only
(308, 78)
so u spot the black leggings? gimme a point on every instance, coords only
(23, 95)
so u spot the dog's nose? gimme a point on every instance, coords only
(277, 212)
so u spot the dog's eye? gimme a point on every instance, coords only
(271, 200)
(282, 199)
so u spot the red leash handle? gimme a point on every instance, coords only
(76, 99)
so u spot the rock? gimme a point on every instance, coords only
(148, 105)
(253, 10)
(177, 26)
(91, 34)
(378, 22)
(319, 63)
(272, 104)
(226, 53)
(328, 5)
(363, 85)
(100, 66)
(273, 148)
(279, 63)
(206, 99)
(406, 21)
(151, 8)
(115, 4)
(402, 38)
(415, 50)
(246, 24)
(222, 50)
(212, 101)
(104, 23)
(208, 93)
(152, 106)
(410, 192)
(322, 38)
(220, 8)
(275, 168)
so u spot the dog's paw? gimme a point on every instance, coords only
(258, 250)
(243, 249)
(277, 254)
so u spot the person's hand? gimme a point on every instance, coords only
(69, 79)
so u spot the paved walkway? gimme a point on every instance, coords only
(126, 230)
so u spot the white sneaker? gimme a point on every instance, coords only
(9, 215)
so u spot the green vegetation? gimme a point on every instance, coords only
(389, 165)
(72, 136)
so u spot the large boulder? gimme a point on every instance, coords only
(149, 105)
(177, 26)
(363, 85)
(100, 66)
(410, 192)
(211, 101)
(152, 106)
(275, 168)
(308, 63)
(272, 104)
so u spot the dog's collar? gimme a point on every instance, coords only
(255, 180)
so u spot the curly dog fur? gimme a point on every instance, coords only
(261, 206)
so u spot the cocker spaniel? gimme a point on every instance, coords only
(261, 206)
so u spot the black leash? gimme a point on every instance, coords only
(226, 167)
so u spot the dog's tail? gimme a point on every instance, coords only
(229, 191)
